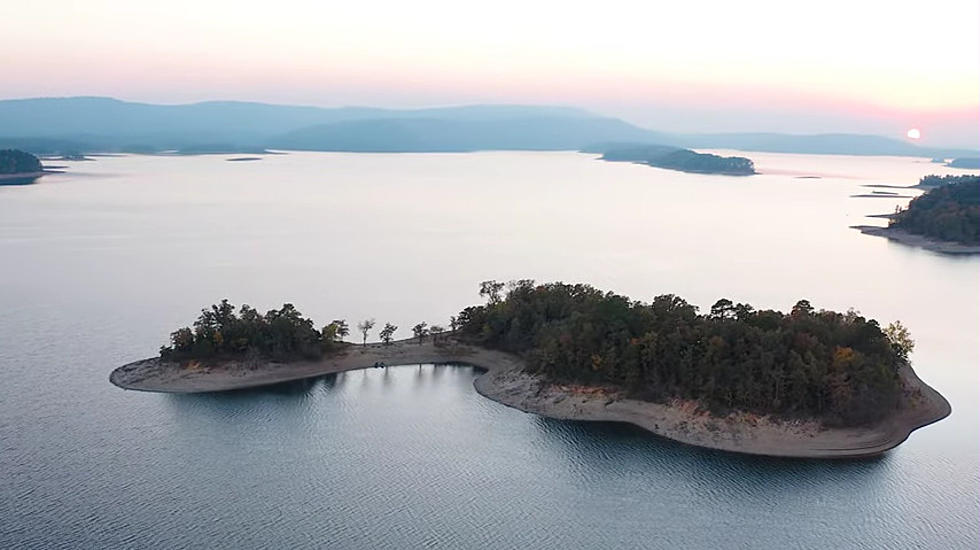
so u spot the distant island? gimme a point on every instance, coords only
(810, 383)
(967, 163)
(944, 219)
(19, 167)
(684, 160)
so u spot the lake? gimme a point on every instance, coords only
(101, 263)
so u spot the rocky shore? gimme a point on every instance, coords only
(506, 382)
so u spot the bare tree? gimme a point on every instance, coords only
(365, 327)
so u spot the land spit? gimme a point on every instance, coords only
(506, 381)
(911, 239)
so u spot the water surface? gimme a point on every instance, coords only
(101, 263)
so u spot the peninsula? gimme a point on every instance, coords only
(806, 384)
(945, 219)
(18, 167)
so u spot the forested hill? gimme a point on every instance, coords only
(684, 160)
(839, 368)
(949, 212)
(13, 161)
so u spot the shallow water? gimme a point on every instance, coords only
(101, 263)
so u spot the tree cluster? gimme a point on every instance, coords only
(281, 334)
(840, 368)
(14, 161)
(950, 212)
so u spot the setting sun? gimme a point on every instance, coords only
(914, 133)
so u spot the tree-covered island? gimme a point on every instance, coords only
(684, 160)
(838, 367)
(949, 211)
(808, 383)
(17, 167)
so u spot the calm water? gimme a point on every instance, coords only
(100, 264)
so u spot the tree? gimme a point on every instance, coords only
(365, 327)
(436, 331)
(453, 324)
(420, 330)
(387, 332)
(900, 338)
(342, 330)
(723, 309)
(491, 290)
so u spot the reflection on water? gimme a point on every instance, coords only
(100, 264)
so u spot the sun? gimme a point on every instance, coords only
(914, 133)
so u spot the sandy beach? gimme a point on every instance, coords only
(506, 382)
(911, 239)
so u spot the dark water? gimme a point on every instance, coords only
(98, 266)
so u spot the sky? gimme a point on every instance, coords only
(752, 65)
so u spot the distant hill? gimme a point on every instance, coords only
(439, 134)
(54, 125)
(822, 144)
(99, 124)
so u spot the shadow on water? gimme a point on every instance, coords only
(606, 446)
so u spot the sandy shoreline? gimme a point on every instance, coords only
(911, 239)
(506, 382)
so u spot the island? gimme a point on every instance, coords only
(684, 160)
(945, 219)
(968, 163)
(810, 383)
(19, 167)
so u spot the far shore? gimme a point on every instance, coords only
(507, 382)
(911, 239)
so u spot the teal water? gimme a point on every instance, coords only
(100, 264)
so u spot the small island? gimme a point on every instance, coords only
(19, 167)
(683, 160)
(810, 383)
(944, 219)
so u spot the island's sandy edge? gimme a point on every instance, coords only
(911, 239)
(506, 382)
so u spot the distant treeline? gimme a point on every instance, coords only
(938, 181)
(684, 160)
(13, 161)
(950, 211)
(840, 368)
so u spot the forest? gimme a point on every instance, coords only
(13, 161)
(837, 367)
(950, 212)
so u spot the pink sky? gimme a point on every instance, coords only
(845, 66)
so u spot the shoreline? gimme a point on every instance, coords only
(505, 382)
(21, 178)
(911, 239)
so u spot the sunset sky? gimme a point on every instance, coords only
(850, 66)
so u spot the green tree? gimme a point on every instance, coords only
(420, 331)
(387, 332)
(900, 338)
